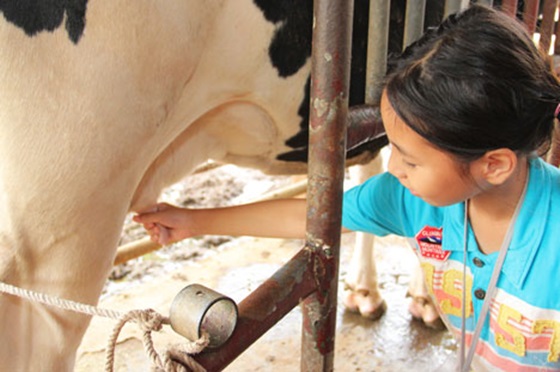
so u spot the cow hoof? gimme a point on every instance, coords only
(422, 309)
(360, 301)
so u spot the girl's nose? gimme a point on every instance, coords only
(394, 167)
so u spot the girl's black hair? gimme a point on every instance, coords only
(476, 83)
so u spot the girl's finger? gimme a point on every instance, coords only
(164, 234)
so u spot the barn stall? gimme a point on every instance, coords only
(391, 344)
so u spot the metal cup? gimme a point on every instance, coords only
(197, 310)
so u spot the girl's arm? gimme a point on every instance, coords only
(283, 218)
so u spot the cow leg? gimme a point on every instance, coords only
(69, 257)
(361, 289)
(421, 306)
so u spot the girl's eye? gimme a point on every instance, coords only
(408, 164)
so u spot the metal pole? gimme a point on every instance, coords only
(556, 51)
(377, 49)
(486, 2)
(547, 24)
(530, 14)
(331, 51)
(414, 22)
(510, 7)
(453, 6)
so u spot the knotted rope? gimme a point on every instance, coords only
(148, 320)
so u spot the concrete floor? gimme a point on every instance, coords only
(393, 343)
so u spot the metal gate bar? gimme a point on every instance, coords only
(332, 40)
(547, 23)
(510, 7)
(486, 2)
(557, 40)
(453, 6)
(414, 24)
(530, 14)
(377, 48)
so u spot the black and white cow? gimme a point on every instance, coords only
(105, 102)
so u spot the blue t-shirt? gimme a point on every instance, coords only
(522, 330)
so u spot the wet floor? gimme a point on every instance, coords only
(393, 343)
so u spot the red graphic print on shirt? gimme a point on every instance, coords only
(429, 241)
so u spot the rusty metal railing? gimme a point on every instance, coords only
(332, 34)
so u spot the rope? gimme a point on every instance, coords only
(148, 320)
(58, 302)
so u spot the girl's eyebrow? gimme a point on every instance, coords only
(404, 152)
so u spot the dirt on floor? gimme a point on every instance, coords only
(235, 267)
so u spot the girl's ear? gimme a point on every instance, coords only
(496, 166)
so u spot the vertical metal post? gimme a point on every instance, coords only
(557, 39)
(377, 49)
(414, 23)
(331, 51)
(453, 6)
(486, 2)
(510, 7)
(530, 14)
(547, 24)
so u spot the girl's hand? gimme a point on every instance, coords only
(166, 223)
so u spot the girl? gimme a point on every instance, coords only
(466, 109)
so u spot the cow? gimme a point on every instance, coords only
(105, 102)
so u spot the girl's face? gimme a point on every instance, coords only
(428, 172)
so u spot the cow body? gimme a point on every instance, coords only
(104, 103)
